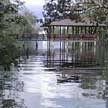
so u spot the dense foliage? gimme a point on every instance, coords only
(13, 23)
(56, 9)
(96, 10)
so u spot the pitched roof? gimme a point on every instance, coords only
(69, 22)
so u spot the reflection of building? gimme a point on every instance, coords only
(73, 42)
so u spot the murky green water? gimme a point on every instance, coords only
(36, 87)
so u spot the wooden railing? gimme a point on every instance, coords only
(72, 37)
(56, 37)
(32, 37)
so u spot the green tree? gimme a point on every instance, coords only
(93, 8)
(31, 20)
(10, 22)
(56, 9)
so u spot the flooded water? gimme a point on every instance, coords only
(36, 86)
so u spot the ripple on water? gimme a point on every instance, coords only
(41, 89)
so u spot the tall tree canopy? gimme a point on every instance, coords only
(10, 22)
(31, 20)
(96, 10)
(13, 22)
(55, 9)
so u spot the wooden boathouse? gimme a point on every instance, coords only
(71, 43)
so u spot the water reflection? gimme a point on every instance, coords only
(10, 87)
(36, 86)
